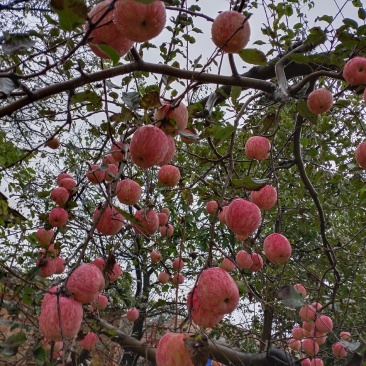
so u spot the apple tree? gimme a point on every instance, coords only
(182, 182)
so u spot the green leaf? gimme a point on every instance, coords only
(129, 217)
(361, 13)
(250, 183)
(326, 18)
(40, 355)
(71, 13)
(87, 96)
(110, 51)
(304, 111)
(235, 93)
(253, 56)
(150, 100)
(288, 296)
(350, 22)
(132, 100)
(316, 36)
(9, 347)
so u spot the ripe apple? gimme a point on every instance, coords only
(360, 154)
(230, 31)
(100, 303)
(85, 283)
(319, 337)
(277, 248)
(305, 362)
(346, 336)
(106, 32)
(118, 151)
(163, 219)
(58, 217)
(115, 273)
(222, 215)
(47, 267)
(170, 152)
(316, 361)
(228, 265)
(52, 292)
(68, 183)
(128, 192)
(310, 347)
(320, 101)
(111, 172)
(166, 211)
(62, 176)
(44, 236)
(149, 221)
(89, 341)
(60, 265)
(257, 148)
(338, 350)
(132, 314)
(53, 143)
(243, 217)
(257, 262)
(323, 324)
(60, 195)
(297, 333)
(244, 259)
(354, 72)
(110, 222)
(307, 313)
(148, 146)
(163, 277)
(317, 306)
(171, 351)
(301, 289)
(100, 263)
(309, 326)
(212, 207)
(138, 21)
(95, 174)
(172, 118)
(109, 159)
(265, 198)
(155, 256)
(294, 344)
(71, 316)
(169, 175)
(178, 264)
(166, 231)
(178, 279)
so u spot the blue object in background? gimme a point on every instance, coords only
(209, 363)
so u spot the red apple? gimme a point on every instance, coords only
(60, 195)
(149, 221)
(319, 337)
(265, 198)
(100, 303)
(360, 155)
(109, 159)
(85, 283)
(178, 279)
(53, 143)
(118, 151)
(52, 292)
(294, 344)
(60, 265)
(309, 326)
(320, 101)
(68, 183)
(172, 118)
(115, 273)
(58, 217)
(47, 267)
(128, 192)
(257, 148)
(310, 347)
(138, 21)
(222, 215)
(316, 361)
(170, 152)
(178, 264)
(354, 71)
(307, 313)
(132, 314)
(155, 256)
(100, 263)
(230, 31)
(297, 333)
(62, 176)
(323, 324)
(257, 262)
(44, 236)
(301, 289)
(95, 174)
(244, 259)
(306, 362)
(346, 336)
(338, 350)
(212, 207)
(111, 172)
(166, 211)
(166, 231)
(243, 217)
(317, 306)
(228, 265)
(163, 219)
(89, 341)
(110, 222)
(277, 248)
(169, 175)
(148, 146)
(163, 277)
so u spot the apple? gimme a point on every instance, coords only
(60, 313)
(149, 221)
(228, 265)
(148, 146)
(230, 31)
(178, 279)
(95, 174)
(163, 277)
(101, 303)
(89, 341)
(128, 192)
(277, 248)
(58, 217)
(178, 264)
(138, 21)
(320, 101)
(115, 273)
(43, 236)
(346, 336)
(132, 314)
(241, 238)
(265, 198)
(360, 155)
(338, 350)
(257, 262)
(111, 172)
(118, 151)
(62, 176)
(155, 256)
(163, 219)
(109, 159)
(317, 306)
(166, 231)
(110, 222)
(106, 32)
(170, 152)
(301, 289)
(294, 344)
(243, 259)
(68, 183)
(310, 347)
(354, 72)
(47, 267)
(309, 326)
(53, 143)
(60, 265)
(166, 211)
(100, 263)
(60, 195)
(257, 148)
(171, 351)
(172, 118)
(222, 215)
(316, 361)
(52, 292)
(319, 337)
(307, 313)
(169, 175)
(297, 333)
(212, 207)
(305, 362)
(85, 283)
(323, 324)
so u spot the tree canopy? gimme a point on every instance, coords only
(65, 109)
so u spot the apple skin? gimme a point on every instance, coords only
(305, 362)
(301, 289)
(257, 148)
(360, 154)
(128, 192)
(277, 248)
(163, 218)
(243, 217)
(222, 215)
(100, 263)
(178, 264)
(68, 183)
(155, 256)
(257, 262)
(319, 337)
(297, 333)
(354, 72)
(49, 295)
(62, 176)
(320, 101)
(346, 336)
(169, 175)
(140, 22)
(85, 283)
(307, 313)
(166, 231)
(172, 119)
(53, 143)
(149, 220)
(265, 198)
(244, 259)
(316, 361)
(71, 316)
(317, 306)
(171, 351)
(212, 207)
(324, 324)
(132, 314)
(163, 277)
(106, 32)
(309, 326)
(310, 347)
(47, 267)
(228, 265)
(89, 341)
(111, 172)
(115, 273)
(95, 174)
(230, 31)
(60, 195)
(44, 236)
(148, 146)
(178, 279)
(118, 151)
(170, 152)
(60, 265)
(58, 217)
(110, 222)
(294, 344)
(338, 350)
(100, 303)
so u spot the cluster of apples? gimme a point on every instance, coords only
(313, 332)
